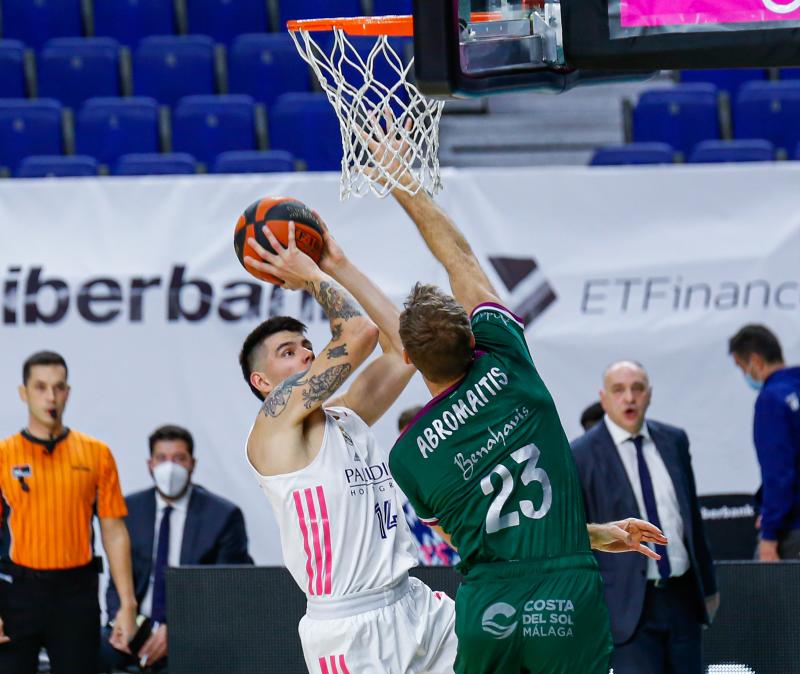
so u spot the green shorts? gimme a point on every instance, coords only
(545, 617)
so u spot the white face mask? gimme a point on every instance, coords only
(171, 478)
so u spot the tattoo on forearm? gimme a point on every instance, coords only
(337, 351)
(277, 400)
(321, 386)
(336, 332)
(335, 300)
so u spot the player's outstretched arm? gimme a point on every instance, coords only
(375, 389)
(468, 281)
(630, 535)
(353, 334)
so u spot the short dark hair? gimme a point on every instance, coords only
(256, 338)
(407, 416)
(754, 338)
(42, 358)
(591, 415)
(171, 432)
(436, 334)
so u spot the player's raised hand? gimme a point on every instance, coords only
(389, 149)
(333, 256)
(629, 535)
(289, 263)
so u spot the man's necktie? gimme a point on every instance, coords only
(649, 496)
(159, 610)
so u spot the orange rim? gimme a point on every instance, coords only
(393, 26)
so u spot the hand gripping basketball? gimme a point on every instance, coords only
(288, 264)
(275, 213)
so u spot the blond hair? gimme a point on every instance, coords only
(436, 334)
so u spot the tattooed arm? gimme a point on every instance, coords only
(284, 433)
(375, 389)
(353, 337)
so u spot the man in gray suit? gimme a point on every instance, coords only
(631, 466)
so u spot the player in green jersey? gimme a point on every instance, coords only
(486, 462)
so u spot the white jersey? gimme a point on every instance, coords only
(340, 518)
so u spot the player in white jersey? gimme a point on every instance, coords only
(345, 540)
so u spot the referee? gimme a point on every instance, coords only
(52, 481)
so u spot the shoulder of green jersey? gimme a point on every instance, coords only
(495, 308)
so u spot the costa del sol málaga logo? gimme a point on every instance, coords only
(495, 620)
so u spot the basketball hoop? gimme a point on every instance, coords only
(369, 85)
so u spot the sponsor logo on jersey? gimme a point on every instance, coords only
(364, 479)
(495, 620)
(18, 472)
(467, 463)
(550, 618)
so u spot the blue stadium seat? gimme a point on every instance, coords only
(383, 70)
(289, 122)
(150, 164)
(745, 150)
(797, 152)
(36, 21)
(266, 65)
(205, 126)
(128, 21)
(223, 20)
(168, 68)
(12, 69)
(317, 9)
(107, 128)
(57, 166)
(29, 127)
(72, 69)
(727, 79)
(769, 110)
(391, 7)
(789, 73)
(681, 116)
(253, 161)
(633, 153)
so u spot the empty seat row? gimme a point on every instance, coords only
(730, 80)
(128, 21)
(261, 65)
(203, 126)
(687, 114)
(71, 70)
(173, 163)
(705, 152)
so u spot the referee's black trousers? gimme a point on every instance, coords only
(57, 610)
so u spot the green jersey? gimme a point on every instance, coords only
(488, 459)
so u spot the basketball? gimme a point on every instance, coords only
(276, 212)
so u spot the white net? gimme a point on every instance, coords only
(389, 130)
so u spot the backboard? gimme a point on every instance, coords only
(529, 44)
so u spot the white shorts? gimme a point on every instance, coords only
(414, 634)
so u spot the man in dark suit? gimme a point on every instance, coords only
(631, 466)
(171, 524)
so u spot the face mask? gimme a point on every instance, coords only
(171, 478)
(753, 383)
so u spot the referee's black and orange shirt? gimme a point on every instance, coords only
(49, 495)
